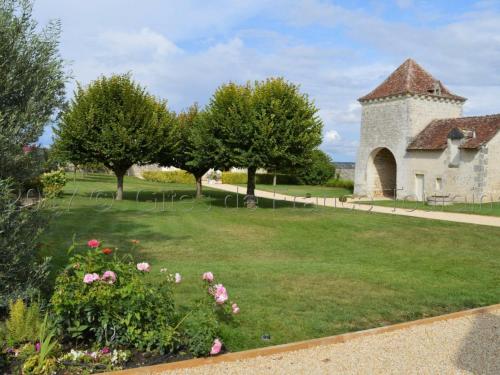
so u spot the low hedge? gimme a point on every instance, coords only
(239, 178)
(176, 177)
(337, 182)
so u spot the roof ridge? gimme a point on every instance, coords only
(467, 117)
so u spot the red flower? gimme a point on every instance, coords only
(107, 251)
(93, 243)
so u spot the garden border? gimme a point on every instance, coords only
(276, 349)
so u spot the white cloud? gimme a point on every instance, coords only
(332, 136)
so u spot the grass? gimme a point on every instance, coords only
(297, 273)
(304, 190)
(487, 208)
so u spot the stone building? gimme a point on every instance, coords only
(415, 144)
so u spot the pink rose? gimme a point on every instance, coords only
(178, 278)
(220, 294)
(208, 276)
(145, 267)
(109, 277)
(89, 278)
(216, 347)
(235, 308)
(93, 243)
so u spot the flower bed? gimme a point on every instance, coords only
(106, 313)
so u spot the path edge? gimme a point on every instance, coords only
(299, 345)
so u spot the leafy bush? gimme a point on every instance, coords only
(176, 177)
(318, 171)
(22, 274)
(238, 178)
(107, 300)
(336, 182)
(22, 323)
(53, 183)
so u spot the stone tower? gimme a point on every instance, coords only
(392, 115)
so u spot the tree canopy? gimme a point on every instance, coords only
(114, 121)
(269, 124)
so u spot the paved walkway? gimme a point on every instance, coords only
(493, 221)
(465, 345)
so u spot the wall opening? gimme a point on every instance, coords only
(382, 172)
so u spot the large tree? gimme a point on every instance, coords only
(32, 80)
(114, 121)
(191, 147)
(270, 124)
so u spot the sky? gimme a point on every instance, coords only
(337, 51)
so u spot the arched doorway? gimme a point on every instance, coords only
(382, 171)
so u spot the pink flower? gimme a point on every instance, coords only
(37, 347)
(235, 308)
(216, 347)
(145, 267)
(109, 277)
(220, 294)
(93, 243)
(89, 278)
(178, 278)
(208, 276)
(105, 350)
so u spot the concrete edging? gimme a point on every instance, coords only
(270, 350)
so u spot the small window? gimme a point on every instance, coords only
(439, 184)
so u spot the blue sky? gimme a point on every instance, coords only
(336, 50)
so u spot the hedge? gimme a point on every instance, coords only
(176, 177)
(337, 182)
(239, 178)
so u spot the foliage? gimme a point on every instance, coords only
(43, 361)
(114, 121)
(318, 170)
(337, 182)
(75, 361)
(22, 273)
(178, 177)
(26, 104)
(266, 125)
(190, 148)
(239, 178)
(53, 183)
(125, 311)
(201, 327)
(22, 322)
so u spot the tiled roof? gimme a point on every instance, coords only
(476, 131)
(410, 78)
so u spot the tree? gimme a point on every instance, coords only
(268, 125)
(318, 170)
(115, 122)
(193, 151)
(32, 83)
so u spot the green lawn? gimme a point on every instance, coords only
(297, 273)
(303, 190)
(487, 208)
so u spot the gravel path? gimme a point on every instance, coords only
(466, 345)
(332, 202)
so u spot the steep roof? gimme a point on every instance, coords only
(410, 78)
(476, 131)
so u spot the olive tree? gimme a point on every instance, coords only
(114, 121)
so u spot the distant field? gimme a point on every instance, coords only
(297, 273)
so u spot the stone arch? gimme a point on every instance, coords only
(382, 173)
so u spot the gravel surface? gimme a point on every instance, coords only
(467, 345)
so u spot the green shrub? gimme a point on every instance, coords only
(106, 300)
(176, 177)
(53, 183)
(336, 182)
(318, 171)
(23, 322)
(238, 178)
(22, 273)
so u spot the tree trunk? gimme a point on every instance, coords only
(198, 186)
(119, 185)
(251, 200)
